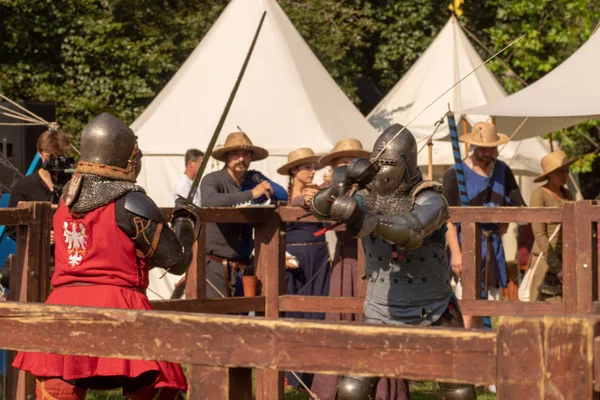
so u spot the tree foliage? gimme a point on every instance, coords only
(91, 56)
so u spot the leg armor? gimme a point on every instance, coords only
(357, 388)
(452, 318)
(57, 389)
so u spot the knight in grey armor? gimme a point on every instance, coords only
(401, 221)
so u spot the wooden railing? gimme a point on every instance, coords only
(221, 350)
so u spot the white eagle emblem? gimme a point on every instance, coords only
(76, 241)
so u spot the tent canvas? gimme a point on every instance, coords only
(286, 100)
(449, 58)
(567, 95)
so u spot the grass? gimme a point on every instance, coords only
(418, 391)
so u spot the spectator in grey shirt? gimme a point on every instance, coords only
(229, 246)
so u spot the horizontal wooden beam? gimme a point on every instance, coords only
(212, 306)
(510, 308)
(457, 214)
(451, 355)
(15, 216)
(321, 304)
(505, 214)
(468, 307)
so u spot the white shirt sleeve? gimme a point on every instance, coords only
(182, 188)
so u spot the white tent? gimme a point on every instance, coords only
(449, 58)
(286, 100)
(567, 95)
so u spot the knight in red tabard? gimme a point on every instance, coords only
(108, 234)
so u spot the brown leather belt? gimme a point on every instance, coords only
(235, 265)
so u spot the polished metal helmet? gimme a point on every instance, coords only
(398, 161)
(109, 148)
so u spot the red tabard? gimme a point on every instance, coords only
(96, 266)
(95, 250)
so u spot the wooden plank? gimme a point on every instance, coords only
(469, 307)
(510, 308)
(471, 261)
(584, 265)
(520, 373)
(568, 357)
(27, 284)
(270, 269)
(195, 287)
(569, 260)
(45, 267)
(212, 306)
(15, 216)
(210, 382)
(547, 358)
(595, 212)
(505, 214)
(321, 304)
(291, 214)
(458, 355)
(597, 364)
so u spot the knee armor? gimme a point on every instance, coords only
(357, 388)
(458, 391)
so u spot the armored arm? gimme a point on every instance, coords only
(154, 240)
(358, 173)
(407, 230)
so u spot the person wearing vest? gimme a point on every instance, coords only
(490, 183)
(401, 220)
(108, 234)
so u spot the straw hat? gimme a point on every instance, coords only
(297, 157)
(484, 134)
(553, 161)
(345, 148)
(237, 141)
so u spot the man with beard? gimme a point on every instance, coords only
(401, 220)
(490, 183)
(228, 246)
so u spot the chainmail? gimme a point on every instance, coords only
(96, 191)
(397, 202)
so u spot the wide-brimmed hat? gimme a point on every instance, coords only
(297, 157)
(237, 141)
(484, 134)
(553, 161)
(345, 148)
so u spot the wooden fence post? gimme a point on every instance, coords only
(584, 265)
(30, 280)
(545, 358)
(213, 382)
(471, 261)
(569, 256)
(270, 262)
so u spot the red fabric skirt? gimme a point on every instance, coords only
(77, 367)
